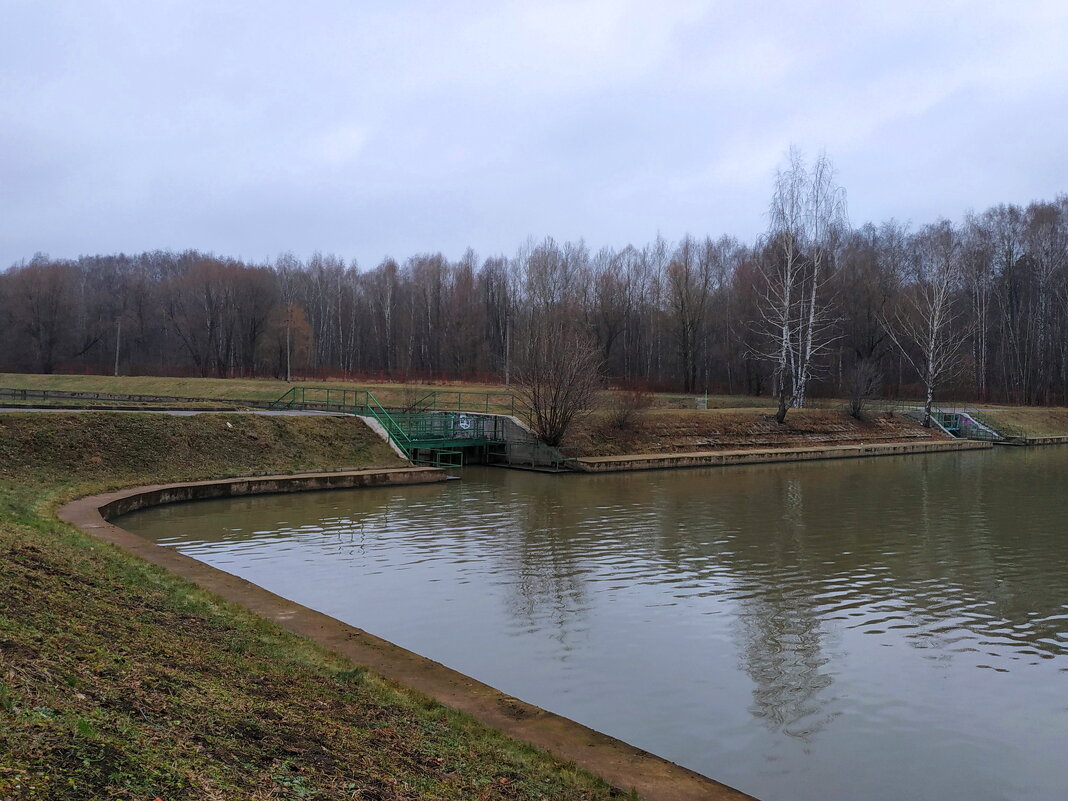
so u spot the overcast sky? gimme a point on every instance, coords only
(373, 129)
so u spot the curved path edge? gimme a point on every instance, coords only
(621, 765)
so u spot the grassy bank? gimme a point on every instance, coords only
(1027, 421)
(267, 389)
(664, 422)
(231, 389)
(118, 680)
(668, 431)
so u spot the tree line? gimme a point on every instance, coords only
(975, 310)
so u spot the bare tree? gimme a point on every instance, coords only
(922, 327)
(287, 340)
(777, 316)
(689, 285)
(825, 223)
(807, 217)
(978, 273)
(286, 268)
(608, 301)
(559, 377)
(866, 281)
(865, 381)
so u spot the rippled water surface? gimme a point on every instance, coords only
(890, 628)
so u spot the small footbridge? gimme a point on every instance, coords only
(440, 428)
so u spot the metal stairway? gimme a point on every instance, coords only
(441, 428)
(959, 423)
(437, 438)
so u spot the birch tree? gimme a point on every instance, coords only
(923, 326)
(807, 216)
(285, 269)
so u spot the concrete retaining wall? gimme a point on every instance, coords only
(119, 503)
(606, 464)
(1035, 441)
(523, 447)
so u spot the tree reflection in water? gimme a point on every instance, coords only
(760, 622)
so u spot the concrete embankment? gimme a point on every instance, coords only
(118, 503)
(1034, 441)
(620, 764)
(660, 461)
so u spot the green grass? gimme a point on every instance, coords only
(1027, 421)
(672, 400)
(121, 681)
(215, 388)
(106, 405)
(689, 430)
(237, 389)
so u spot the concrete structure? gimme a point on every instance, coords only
(660, 461)
(618, 763)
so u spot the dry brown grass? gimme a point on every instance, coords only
(219, 388)
(121, 681)
(1027, 421)
(682, 431)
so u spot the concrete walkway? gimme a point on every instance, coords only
(176, 412)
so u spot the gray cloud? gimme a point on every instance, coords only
(372, 129)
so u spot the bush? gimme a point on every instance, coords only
(625, 409)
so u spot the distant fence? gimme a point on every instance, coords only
(298, 374)
(8, 393)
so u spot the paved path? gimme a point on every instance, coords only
(178, 412)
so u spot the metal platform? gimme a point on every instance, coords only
(440, 428)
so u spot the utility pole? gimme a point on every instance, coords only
(289, 322)
(118, 340)
(508, 348)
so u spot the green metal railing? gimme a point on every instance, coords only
(440, 400)
(541, 456)
(392, 427)
(436, 426)
(960, 423)
(402, 400)
(965, 424)
(437, 438)
(322, 398)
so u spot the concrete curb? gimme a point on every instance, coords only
(1033, 441)
(618, 763)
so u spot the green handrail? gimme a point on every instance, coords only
(395, 431)
(355, 401)
(431, 424)
(287, 400)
